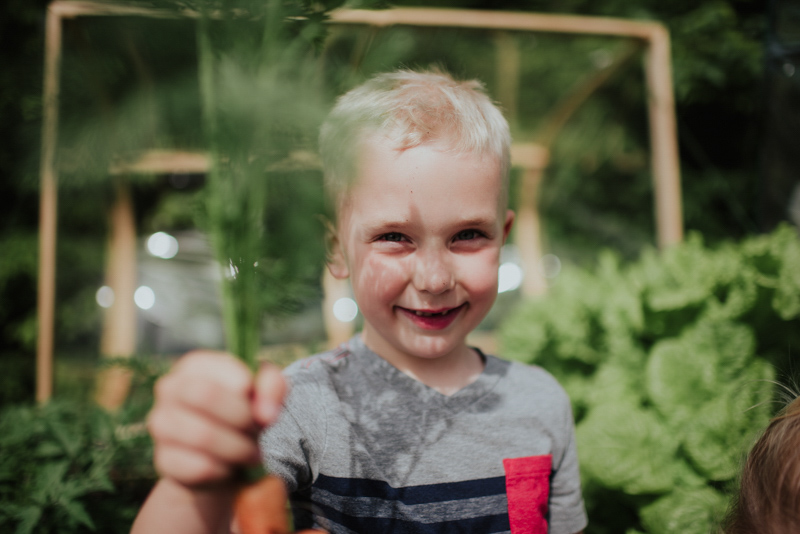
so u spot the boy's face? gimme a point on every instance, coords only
(419, 234)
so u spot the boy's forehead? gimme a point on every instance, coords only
(383, 151)
(382, 164)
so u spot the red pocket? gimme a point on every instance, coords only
(528, 489)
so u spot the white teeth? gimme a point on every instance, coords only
(426, 314)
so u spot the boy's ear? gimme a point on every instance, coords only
(337, 264)
(508, 224)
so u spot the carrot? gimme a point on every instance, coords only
(260, 508)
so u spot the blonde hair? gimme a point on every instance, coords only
(411, 108)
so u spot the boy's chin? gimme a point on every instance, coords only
(435, 347)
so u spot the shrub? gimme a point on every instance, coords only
(70, 466)
(670, 363)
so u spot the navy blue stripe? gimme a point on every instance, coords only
(428, 493)
(373, 525)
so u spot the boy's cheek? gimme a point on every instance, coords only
(481, 270)
(482, 288)
(377, 276)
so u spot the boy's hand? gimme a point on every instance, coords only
(206, 417)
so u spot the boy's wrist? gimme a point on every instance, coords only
(181, 509)
(215, 491)
(227, 487)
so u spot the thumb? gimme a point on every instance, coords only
(270, 391)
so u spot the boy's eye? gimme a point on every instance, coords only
(467, 235)
(392, 236)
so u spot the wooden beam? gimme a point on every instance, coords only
(666, 172)
(69, 9)
(163, 162)
(497, 20)
(658, 76)
(663, 140)
(532, 158)
(48, 210)
(118, 339)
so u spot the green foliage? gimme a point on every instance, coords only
(717, 52)
(670, 363)
(62, 467)
(130, 83)
(19, 260)
(69, 466)
(261, 100)
(17, 378)
(694, 510)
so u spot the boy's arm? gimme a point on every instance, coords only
(567, 509)
(207, 413)
(175, 508)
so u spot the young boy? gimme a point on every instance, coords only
(405, 428)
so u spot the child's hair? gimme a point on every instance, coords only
(411, 108)
(769, 495)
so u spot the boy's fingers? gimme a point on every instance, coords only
(224, 368)
(208, 397)
(190, 430)
(270, 391)
(211, 383)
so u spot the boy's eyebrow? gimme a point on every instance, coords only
(400, 223)
(388, 223)
(479, 221)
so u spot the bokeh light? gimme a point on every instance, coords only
(551, 265)
(144, 297)
(162, 245)
(104, 297)
(509, 277)
(345, 309)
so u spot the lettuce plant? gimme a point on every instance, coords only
(670, 363)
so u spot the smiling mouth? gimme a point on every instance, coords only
(432, 314)
(433, 320)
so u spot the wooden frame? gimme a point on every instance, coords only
(658, 75)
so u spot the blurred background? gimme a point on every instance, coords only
(667, 355)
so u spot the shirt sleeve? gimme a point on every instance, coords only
(289, 449)
(567, 510)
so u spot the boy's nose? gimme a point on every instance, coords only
(433, 273)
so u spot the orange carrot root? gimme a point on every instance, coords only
(260, 508)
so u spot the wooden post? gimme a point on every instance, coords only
(658, 75)
(532, 158)
(663, 140)
(507, 74)
(333, 289)
(48, 210)
(48, 172)
(118, 339)
(666, 172)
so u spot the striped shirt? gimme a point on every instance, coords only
(365, 448)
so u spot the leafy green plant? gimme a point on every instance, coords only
(66, 468)
(261, 99)
(670, 363)
(70, 466)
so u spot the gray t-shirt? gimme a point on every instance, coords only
(365, 448)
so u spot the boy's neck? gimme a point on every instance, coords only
(447, 374)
